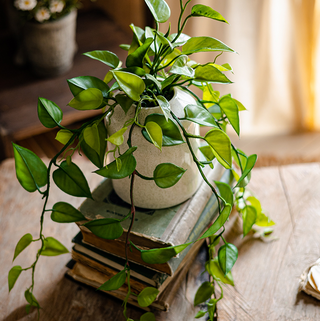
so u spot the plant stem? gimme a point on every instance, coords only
(133, 212)
(53, 161)
(195, 159)
(144, 177)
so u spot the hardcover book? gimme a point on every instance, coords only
(149, 231)
(92, 277)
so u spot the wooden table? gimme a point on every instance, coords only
(266, 274)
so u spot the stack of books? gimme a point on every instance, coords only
(96, 260)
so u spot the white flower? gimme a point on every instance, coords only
(42, 14)
(56, 6)
(25, 4)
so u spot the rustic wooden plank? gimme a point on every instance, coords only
(266, 274)
(257, 268)
(62, 298)
(302, 187)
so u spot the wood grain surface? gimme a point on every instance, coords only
(62, 298)
(267, 274)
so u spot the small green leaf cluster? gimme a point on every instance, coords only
(156, 64)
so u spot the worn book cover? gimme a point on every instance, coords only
(152, 228)
(208, 214)
(110, 265)
(92, 277)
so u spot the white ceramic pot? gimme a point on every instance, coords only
(146, 193)
(50, 46)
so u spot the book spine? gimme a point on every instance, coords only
(119, 251)
(107, 271)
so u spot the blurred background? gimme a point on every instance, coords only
(276, 72)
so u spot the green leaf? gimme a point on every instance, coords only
(22, 244)
(124, 101)
(155, 133)
(107, 78)
(149, 316)
(128, 166)
(134, 70)
(30, 170)
(131, 84)
(224, 67)
(117, 138)
(152, 80)
(168, 81)
(213, 268)
(202, 44)
(166, 174)
(230, 108)
(31, 299)
(13, 276)
(218, 223)
(180, 67)
(221, 146)
(81, 83)
(249, 216)
(49, 113)
(199, 115)
(203, 293)
(159, 9)
(242, 156)
(227, 256)
(136, 58)
(138, 34)
(225, 192)
(70, 179)
(255, 203)
(107, 57)
(164, 105)
(119, 164)
(53, 247)
(124, 46)
(147, 296)
(264, 221)
(87, 99)
(63, 136)
(92, 138)
(210, 95)
(207, 152)
(162, 255)
(240, 106)
(209, 73)
(200, 314)
(212, 307)
(182, 39)
(65, 213)
(165, 42)
(249, 165)
(200, 10)
(97, 158)
(171, 134)
(115, 282)
(106, 228)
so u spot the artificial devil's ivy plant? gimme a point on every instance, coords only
(156, 63)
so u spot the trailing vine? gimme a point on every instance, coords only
(154, 67)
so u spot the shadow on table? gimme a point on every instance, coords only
(71, 301)
(306, 299)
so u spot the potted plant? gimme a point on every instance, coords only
(149, 110)
(46, 31)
